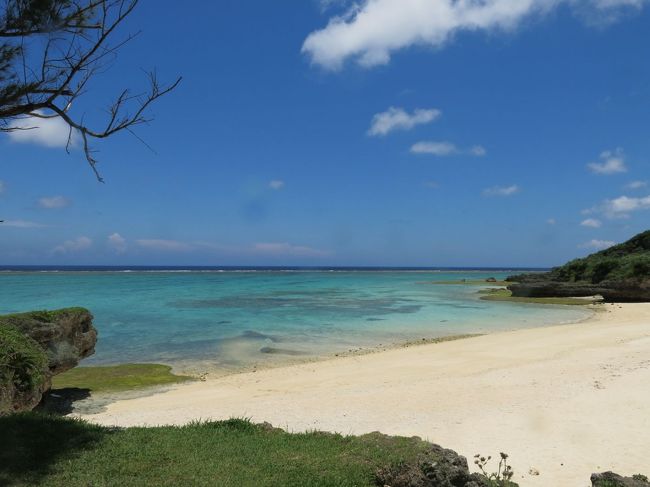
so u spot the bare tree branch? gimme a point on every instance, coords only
(77, 38)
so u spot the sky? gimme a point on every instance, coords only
(369, 133)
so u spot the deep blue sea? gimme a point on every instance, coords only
(233, 318)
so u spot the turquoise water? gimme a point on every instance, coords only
(230, 320)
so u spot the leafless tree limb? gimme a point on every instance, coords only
(76, 36)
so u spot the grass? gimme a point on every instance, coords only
(505, 295)
(117, 378)
(54, 451)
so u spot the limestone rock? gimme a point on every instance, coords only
(610, 479)
(36, 346)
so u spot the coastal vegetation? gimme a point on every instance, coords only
(116, 378)
(619, 273)
(23, 369)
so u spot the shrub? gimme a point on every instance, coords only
(23, 368)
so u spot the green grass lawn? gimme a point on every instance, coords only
(118, 378)
(505, 295)
(54, 451)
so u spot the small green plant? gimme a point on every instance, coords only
(502, 477)
(640, 477)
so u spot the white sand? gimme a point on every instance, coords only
(567, 400)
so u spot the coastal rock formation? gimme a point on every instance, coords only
(619, 273)
(437, 467)
(36, 346)
(610, 479)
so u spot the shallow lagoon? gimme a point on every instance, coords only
(229, 320)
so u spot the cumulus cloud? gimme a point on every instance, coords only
(621, 206)
(445, 149)
(76, 245)
(50, 132)
(501, 190)
(287, 249)
(399, 119)
(161, 245)
(591, 222)
(434, 148)
(21, 224)
(116, 242)
(53, 202)
(636, 185)
(370, 31)
(276, 184)
(612, 162)
(597, 244)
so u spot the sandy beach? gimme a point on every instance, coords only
(564, 400)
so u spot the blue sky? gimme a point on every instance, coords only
(434, 133)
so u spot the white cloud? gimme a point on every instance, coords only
(398, 119)
(21, 224)
(432, 184)
(371, 30)
(591, 222)
(164, 245)
(116, 242)
(501, 190)
(623, 205)
(276, 184)
(636, 185)
(445, 149)
(50, 132)
(551, 221)
(612, 162)
(53, 202)
(76, 245)
(434, 148)
(597, 244)
(287, 249)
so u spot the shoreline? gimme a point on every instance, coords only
(194, 369)
(567, 400)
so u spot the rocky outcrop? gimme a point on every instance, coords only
(436, 467)
(610, 479)
(36, 346)
(541, 286)
(619, 273)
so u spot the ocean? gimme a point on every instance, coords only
(229, 319)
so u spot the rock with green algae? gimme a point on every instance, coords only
(36, 346)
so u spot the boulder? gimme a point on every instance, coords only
(36, 346)
(610, 479)
(437, 467)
